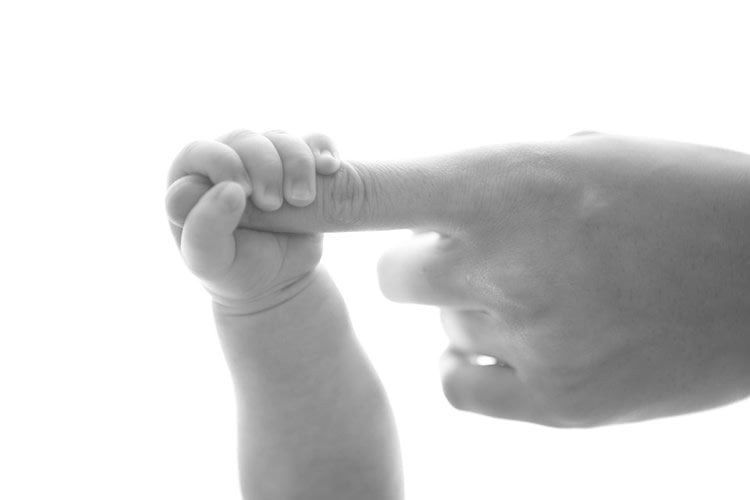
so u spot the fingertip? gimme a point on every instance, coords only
(231, 195)
(267, 200)
(208, 243)
(327, 159)
(326, 162)
(183, 194)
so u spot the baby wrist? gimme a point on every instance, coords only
(270, 300)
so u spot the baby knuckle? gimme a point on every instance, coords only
(201, 155)
(533, 178)
(238, 134)
(185, 162)
(276, 131)
(300, 161)
(221, 157)
(318, 138)
(191, 147)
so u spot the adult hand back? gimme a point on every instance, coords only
(610, 275)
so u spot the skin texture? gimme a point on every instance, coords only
(610, 275)
(313, 419)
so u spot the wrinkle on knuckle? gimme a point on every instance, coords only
(531, 175)
(541, 196)
(346, 199)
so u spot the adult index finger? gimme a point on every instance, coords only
(445, 193)
(437, 193)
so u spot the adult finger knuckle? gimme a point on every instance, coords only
(543, 183)
(346, 196)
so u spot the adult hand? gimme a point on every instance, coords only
(610, 275)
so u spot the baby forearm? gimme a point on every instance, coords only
(314, 421)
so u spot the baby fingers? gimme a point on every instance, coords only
(262, 163)
(298, 165)
(211, 159)
(327, 159)
(208, 245)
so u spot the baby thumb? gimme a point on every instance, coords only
(208, 244)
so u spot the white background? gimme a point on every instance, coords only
(112, 384)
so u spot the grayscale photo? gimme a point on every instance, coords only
(399, 250)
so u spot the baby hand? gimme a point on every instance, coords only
(247, 271)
